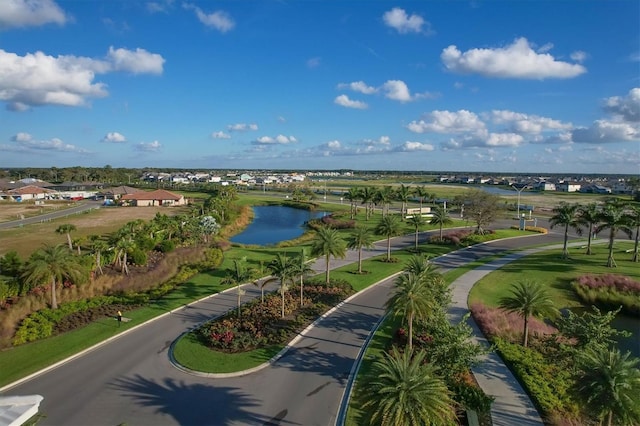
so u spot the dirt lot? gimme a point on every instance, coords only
(29, 238)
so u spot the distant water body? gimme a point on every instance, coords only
(273, 224)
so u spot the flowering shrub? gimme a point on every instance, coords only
(610, 291)
(260, 324)
(507, 325)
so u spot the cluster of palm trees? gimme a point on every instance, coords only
(55, 264)
(372, 196)
(614, 215)
(403, 388)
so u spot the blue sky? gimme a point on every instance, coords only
(491, 86)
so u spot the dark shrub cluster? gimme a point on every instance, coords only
(609, 291)
(332, 221)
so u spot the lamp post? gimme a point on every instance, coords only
(518, 190)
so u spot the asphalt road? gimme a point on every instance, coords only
(79, 208)
(130, 379)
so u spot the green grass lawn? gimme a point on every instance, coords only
(548, 268)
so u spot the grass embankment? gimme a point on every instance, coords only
(549, 268)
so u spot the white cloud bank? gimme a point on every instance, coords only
(219, 20)
(26, 142)
(517, 60)
(114, 137)
(343, 100)
(30, 13)
(38, 79)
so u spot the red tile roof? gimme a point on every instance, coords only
(158, 194)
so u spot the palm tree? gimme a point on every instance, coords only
(416, 221)
(67, 229)
(419, 265)
(383, 197)
(402, 389)
(282, 269)
(54, 264)
(403, 193)
(367, 195)
(566, 215)
(589, 215)
(302, 269)
(98, 246)
(527, 299)
(441, 218)
(634, 220)
(608, 384)
(361, 237)
(353, 195)
(422, 194)
(237, 275)
(123, 246)
(411, 300)
(389, 226)
(613, 218)
(327, 243)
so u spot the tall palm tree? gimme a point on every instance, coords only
(422, 194)
(237, 275)
(67, 229)
(54, 264)
(367, 195)
(589, 215)
(566, 215)
(441, 218)
(98, 247)
(328, 243)
(419, 265)
(411, 300)
(608, 384)
(613, 218)
(383, 197)
(353, 195)
(361, 237)
(302, 269)
(403, 193)
(389, 226)
(402, 389)
(527, 299)
(634, 220)
(416, 221)
(123, 246)
(283, 270)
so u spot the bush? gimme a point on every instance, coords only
(139, 257)
(609, 291)
(546, 383)
(166, 246)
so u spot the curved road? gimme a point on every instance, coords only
(130, 379)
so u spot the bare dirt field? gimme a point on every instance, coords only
(27, 239)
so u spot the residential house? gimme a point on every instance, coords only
(159, 197)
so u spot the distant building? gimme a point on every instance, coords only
(568, 186)
(159, 197)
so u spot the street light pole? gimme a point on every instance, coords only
(518, 206)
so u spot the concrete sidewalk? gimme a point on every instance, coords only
(512, 405)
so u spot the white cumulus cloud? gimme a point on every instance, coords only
(604, 131)
(416, 146)
(26, 141)
(399, 20)
(114, 137)
(627, 107)
(343, 100)
(517, 60)
(397, 90)
(525, 123)
(358, 86)
(154, 146)
(242, 127)
(448, 122)
(278, 140)
(30, 13)
(220, 135)
(219, 20)
(39, 79)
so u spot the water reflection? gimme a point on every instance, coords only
(273, 224)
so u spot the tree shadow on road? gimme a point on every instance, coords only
(192, 403)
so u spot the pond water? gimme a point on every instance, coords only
(272, 224)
